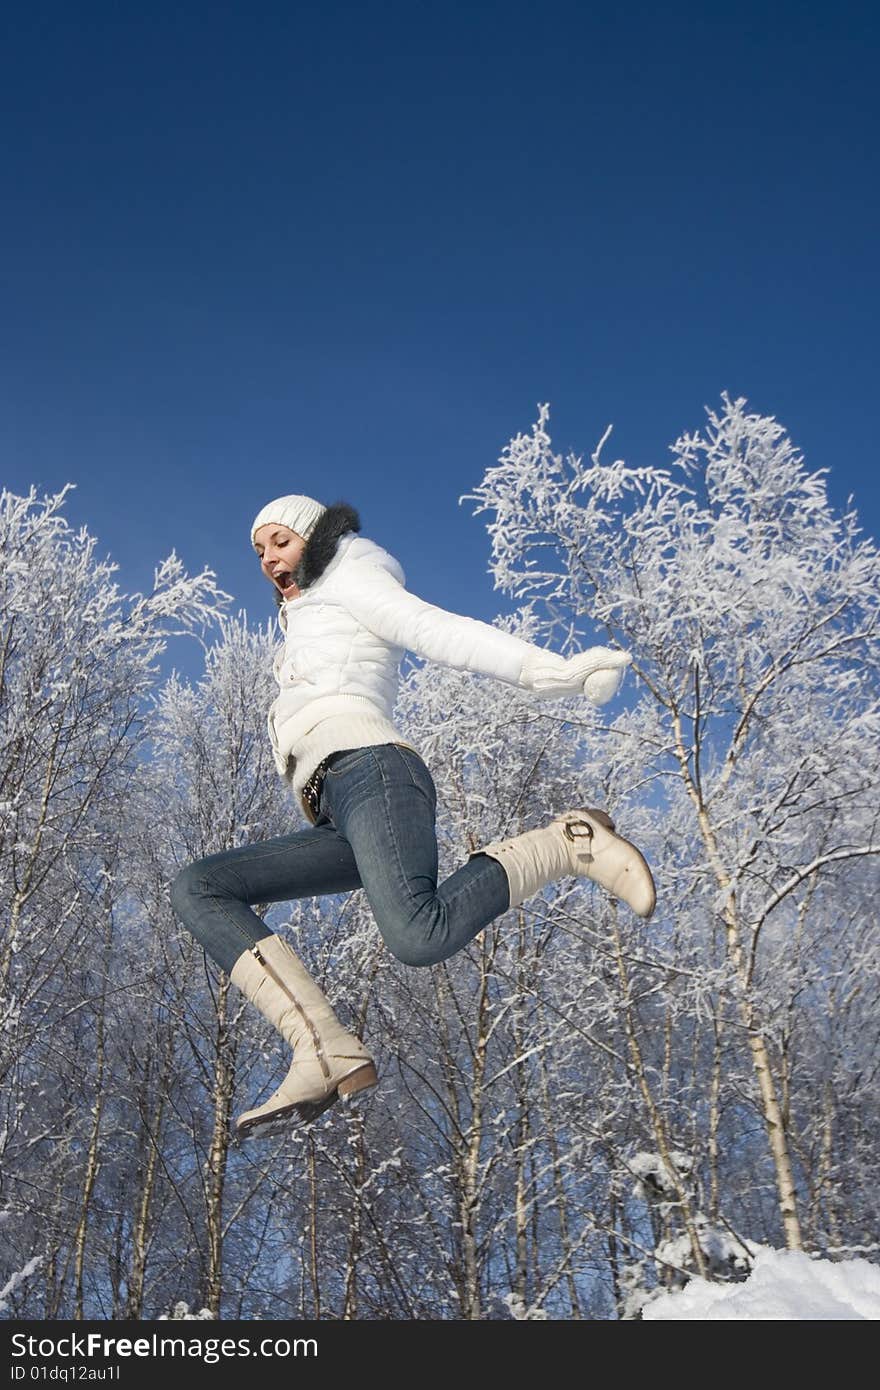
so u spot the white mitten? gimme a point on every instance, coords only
(596, 673)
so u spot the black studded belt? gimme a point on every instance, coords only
(311, 792)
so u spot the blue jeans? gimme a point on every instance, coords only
(375, 830)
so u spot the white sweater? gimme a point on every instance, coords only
(338, 671)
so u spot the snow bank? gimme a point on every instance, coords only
(783, 1285)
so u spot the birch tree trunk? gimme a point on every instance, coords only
(215, 1168)
(152, 1138)
(760, 1053)
(655, 1117)
(93, 1150)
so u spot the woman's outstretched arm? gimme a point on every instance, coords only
(385, 607)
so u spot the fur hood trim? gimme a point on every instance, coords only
(333, 523)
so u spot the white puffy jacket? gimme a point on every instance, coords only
(345, 636)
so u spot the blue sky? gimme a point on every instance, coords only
(346, 249)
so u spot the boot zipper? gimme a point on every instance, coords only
(316, 1040)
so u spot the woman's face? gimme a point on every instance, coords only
(279, 550)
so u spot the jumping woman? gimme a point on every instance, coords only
(368, 797)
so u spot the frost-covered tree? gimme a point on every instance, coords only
(76, 661)
(751, 609)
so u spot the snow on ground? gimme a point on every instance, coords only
(783, 1285)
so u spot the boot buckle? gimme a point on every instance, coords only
(569, 830)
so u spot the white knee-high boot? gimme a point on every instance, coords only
(328, 1062)
(581, 842)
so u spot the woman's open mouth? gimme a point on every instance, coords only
(285, 582)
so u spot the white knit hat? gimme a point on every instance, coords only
(296, 512)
